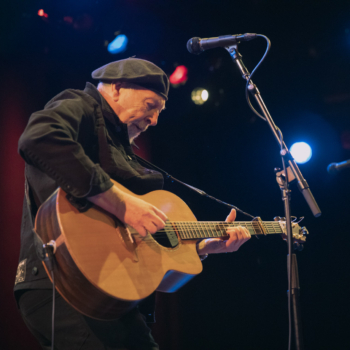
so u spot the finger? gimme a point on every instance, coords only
(157, 222)
(241, 230)
(246, 233)
(233, 239)
(234, 245)
(243, 236)
(141, 231)
(160, 214)
(152, 228)
(232, 215)
(238, 236)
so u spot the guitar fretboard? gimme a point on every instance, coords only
(212, 229)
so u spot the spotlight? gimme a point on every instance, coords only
(199, 96)
(42, 13)
(118, 44)
(301, 152)
(179, 76)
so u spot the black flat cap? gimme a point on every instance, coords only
(136, 71)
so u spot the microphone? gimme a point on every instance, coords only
(198, 45)
(336, 167)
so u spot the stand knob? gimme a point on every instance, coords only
(298, 246)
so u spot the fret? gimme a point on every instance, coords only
(197, 232)
(191, 233)
(212, 230)
(201, 230)
(205, 229)
(179, 228)
(183, 228)
(192, 227)
(208, 229)
(251, 230)
(222, 229)
(189, 230)
(273, 228)
(215, 229)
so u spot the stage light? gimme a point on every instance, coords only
(204, 95)
(42, 13)
(301, 152)
(118, 44)
(179, 76)
(199, 96)
(68, 19)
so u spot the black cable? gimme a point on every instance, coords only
(49, 250)
(195, 189)
(53, 312)
(251, 74)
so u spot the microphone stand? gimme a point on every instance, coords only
(290, 173)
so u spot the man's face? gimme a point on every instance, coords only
(138, 108)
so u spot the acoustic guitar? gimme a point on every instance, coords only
(104, 268)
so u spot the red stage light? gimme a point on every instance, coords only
(41, 13)
(179, 76)
(68, 19)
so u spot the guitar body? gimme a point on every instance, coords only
(103, 270)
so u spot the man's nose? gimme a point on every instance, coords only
(153, 119)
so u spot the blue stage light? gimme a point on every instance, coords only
(301, 152)
(118, 44)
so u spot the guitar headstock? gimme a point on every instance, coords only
(298, 233)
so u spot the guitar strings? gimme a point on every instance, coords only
(197, 230)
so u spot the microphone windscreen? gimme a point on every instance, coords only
(193, 46)
(332, 168)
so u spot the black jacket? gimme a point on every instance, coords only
(78, 143)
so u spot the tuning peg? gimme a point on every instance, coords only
(300, 220)
(304, 231)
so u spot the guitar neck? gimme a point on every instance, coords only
(200, 229)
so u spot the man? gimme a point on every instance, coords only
(79, 142)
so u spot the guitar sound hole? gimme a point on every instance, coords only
(167, 239)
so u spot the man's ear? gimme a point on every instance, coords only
(116, 91)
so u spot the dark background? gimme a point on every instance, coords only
(239, 301)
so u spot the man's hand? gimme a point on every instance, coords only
(142, 216)
(238, 236)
